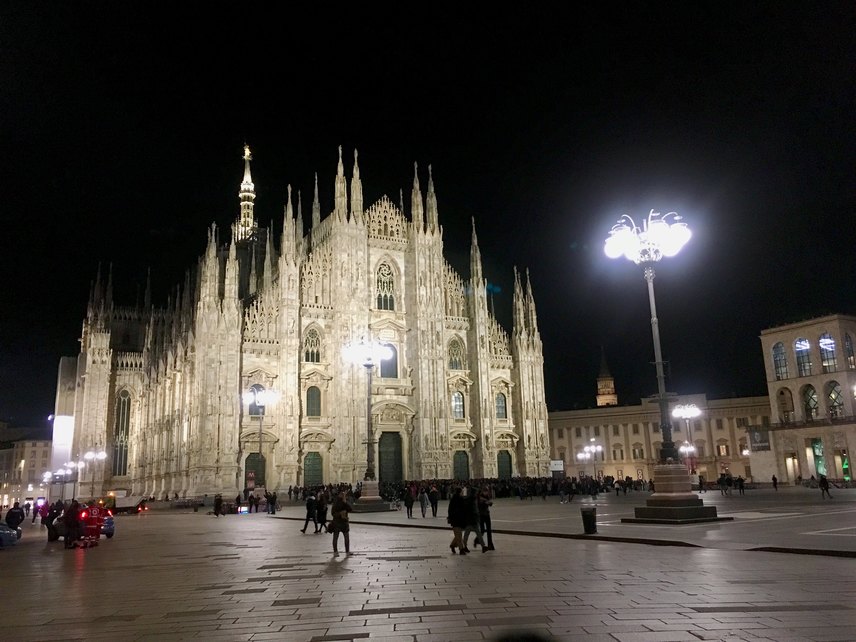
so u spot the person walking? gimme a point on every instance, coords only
(457, 519)
(408, 502)
(218, 505)
(321, 511)
(423, 501)
(311, 509)
(434, 498)
(741, 483)
(484, 504)
(238, 504)
(272, 504)
(27, 509)
(701, 487)
(473, 521)
(341, 524)
(823, 483)
(775, 483)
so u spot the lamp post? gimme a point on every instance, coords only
(94, 456)
(687, 412)
(261, 397)
(368, 354)
(590, 452)
(660, 235)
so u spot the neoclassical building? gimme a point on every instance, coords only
(630, 439)
(811, 377)
(163, 389)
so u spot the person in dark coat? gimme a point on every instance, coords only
(457, 520)
(485, 502)
(218, 505)
(473, 521)
(408, 502)
(311, 513)
(14, 516)
(434, 498)
(341, 524)
(321, 512)
(71, 517)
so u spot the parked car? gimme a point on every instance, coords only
(9, 536)
(108, 526)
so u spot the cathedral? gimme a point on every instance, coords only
(245, 380)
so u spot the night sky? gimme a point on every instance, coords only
(122, 126)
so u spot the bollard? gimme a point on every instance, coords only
(589, 515)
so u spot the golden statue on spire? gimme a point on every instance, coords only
(247, 155)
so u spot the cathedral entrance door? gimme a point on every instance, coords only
(313, 474)
(389, 456)
(461, 465)
(503, 464)
(255, 464)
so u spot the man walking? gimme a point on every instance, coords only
(775, 483)
(484, 504)
(473, 521)
(311, 505)
(823, 483)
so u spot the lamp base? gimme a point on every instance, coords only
(673, 501)
(370, 500)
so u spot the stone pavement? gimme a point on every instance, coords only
(183, 576)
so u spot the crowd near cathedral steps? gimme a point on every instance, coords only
(163, 390)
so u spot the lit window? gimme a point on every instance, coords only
(828, 360)
(389, 367)
(848, 352)
(723, 450)
(834, 399)
(121, 433)
(457, 405)
(253, 408)
(802, 348)
(638, 452)
(810, 403)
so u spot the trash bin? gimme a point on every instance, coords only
(589, 514)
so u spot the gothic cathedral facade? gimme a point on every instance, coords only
(243, 380)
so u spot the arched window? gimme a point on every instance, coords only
(802, 348)
(785, 402)
(501, 410)
(313, 401)
(456, 355)
(834, 399)
(457, 405)
(253, 408)
(312, 346)
(385, 288)
(121, 432)
(389, 367)
(810, 403)
(848, 352)
(828, 361)
(780, 361)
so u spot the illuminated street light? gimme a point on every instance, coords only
(261, 398)
(590, 452)
(660, 235)
(687, 412)
(368, 354)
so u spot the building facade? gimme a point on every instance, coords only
(164, 390)
(630, 437)
(22, 464)
(811, 378)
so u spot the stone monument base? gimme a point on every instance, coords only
(674, 501)
(370, 500)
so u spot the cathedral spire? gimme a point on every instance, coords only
(341, 190)
(416, 201)
(298, 223)
(604, 369)
(518, 306)
(246, 225)
(316, 206)
(288, 243)
(532, 317)
(356, 193)
(270, 261)
(475, 259)
(147, 297)
(433, 218)
(606, 395)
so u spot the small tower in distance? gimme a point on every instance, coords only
(605, 385)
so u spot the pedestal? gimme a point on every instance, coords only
(674, 501)
(370, 500)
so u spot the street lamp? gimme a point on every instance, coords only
(368, 354)
(94, 456)
(590, 452)
(660, 235)
(687, 412)
(261, 397)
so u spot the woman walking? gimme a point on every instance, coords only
(457, 520)
(341, 508)
(321, 511)
(423, 501)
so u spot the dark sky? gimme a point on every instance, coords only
(122, 125)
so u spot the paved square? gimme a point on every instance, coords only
(179, 576)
